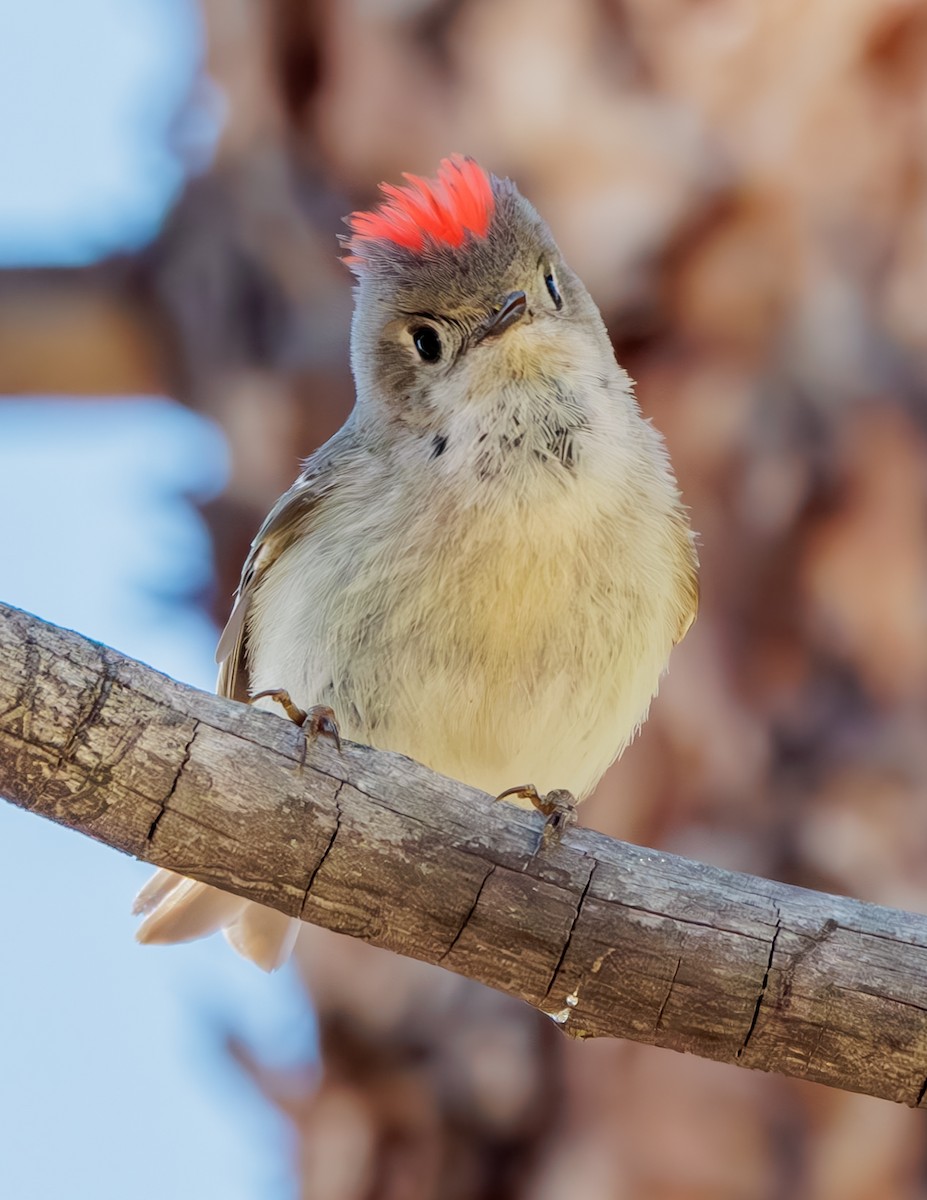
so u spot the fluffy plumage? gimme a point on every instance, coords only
(487, 567)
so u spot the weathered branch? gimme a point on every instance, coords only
(607, 938)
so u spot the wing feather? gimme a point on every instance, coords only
(289, 519)
(178, 909)
(689, 583)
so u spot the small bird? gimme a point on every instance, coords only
(487, 566)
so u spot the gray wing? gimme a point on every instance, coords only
(289, 519)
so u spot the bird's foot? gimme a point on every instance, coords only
(283, 698)
(557, 806)
(320, 719)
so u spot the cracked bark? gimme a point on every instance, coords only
(764, 984)
(313, 874)
(569, 938)
(181, 767)
(669, 992)
(467, 917)
(608, 939)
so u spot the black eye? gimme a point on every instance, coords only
(552, 288)
(427, 343)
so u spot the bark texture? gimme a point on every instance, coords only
(605, 938)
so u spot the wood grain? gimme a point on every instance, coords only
(606, 938)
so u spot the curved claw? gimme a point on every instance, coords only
(557, 806)
(320, 719)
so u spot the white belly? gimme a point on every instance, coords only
(499, 652)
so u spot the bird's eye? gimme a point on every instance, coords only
(426, 341)
(551, 284)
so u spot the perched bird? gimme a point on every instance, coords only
(487, 566)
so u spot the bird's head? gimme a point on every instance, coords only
(464, 300)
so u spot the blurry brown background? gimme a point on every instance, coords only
(743, 187)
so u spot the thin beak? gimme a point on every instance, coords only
(512, 309)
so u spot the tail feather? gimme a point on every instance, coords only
(263, 935)
(155, 890)
(181, 910)
(177, 909)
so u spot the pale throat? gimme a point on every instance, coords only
(530, 429)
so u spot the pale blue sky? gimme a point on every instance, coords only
(87, 90)
(113, 1080)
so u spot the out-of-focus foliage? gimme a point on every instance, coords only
(743, 186)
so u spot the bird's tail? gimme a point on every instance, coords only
(177, 909)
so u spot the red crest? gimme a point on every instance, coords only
(442, 210)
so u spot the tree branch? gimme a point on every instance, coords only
(606, 938)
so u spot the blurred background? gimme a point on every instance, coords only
(743, 186)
